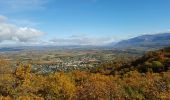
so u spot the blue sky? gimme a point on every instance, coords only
(81, 21)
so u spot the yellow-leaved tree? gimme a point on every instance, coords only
(61, 86)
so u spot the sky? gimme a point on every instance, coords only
(80, 22)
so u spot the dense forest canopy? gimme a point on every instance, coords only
(145, 78)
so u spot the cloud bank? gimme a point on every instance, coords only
(12, 33)
(82, 40)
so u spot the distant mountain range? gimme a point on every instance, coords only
(145, 41)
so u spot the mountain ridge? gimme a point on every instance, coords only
(146, 41)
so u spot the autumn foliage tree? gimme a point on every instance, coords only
(146, 78)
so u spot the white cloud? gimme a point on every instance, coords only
(83, 40)
(12, 33)
(22, 5)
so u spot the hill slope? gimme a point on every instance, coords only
(153, 61)
(146, 41)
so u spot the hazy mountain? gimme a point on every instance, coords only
(143, 42)
(146, 41)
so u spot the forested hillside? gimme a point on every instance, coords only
(153, 61)
(145, 78)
